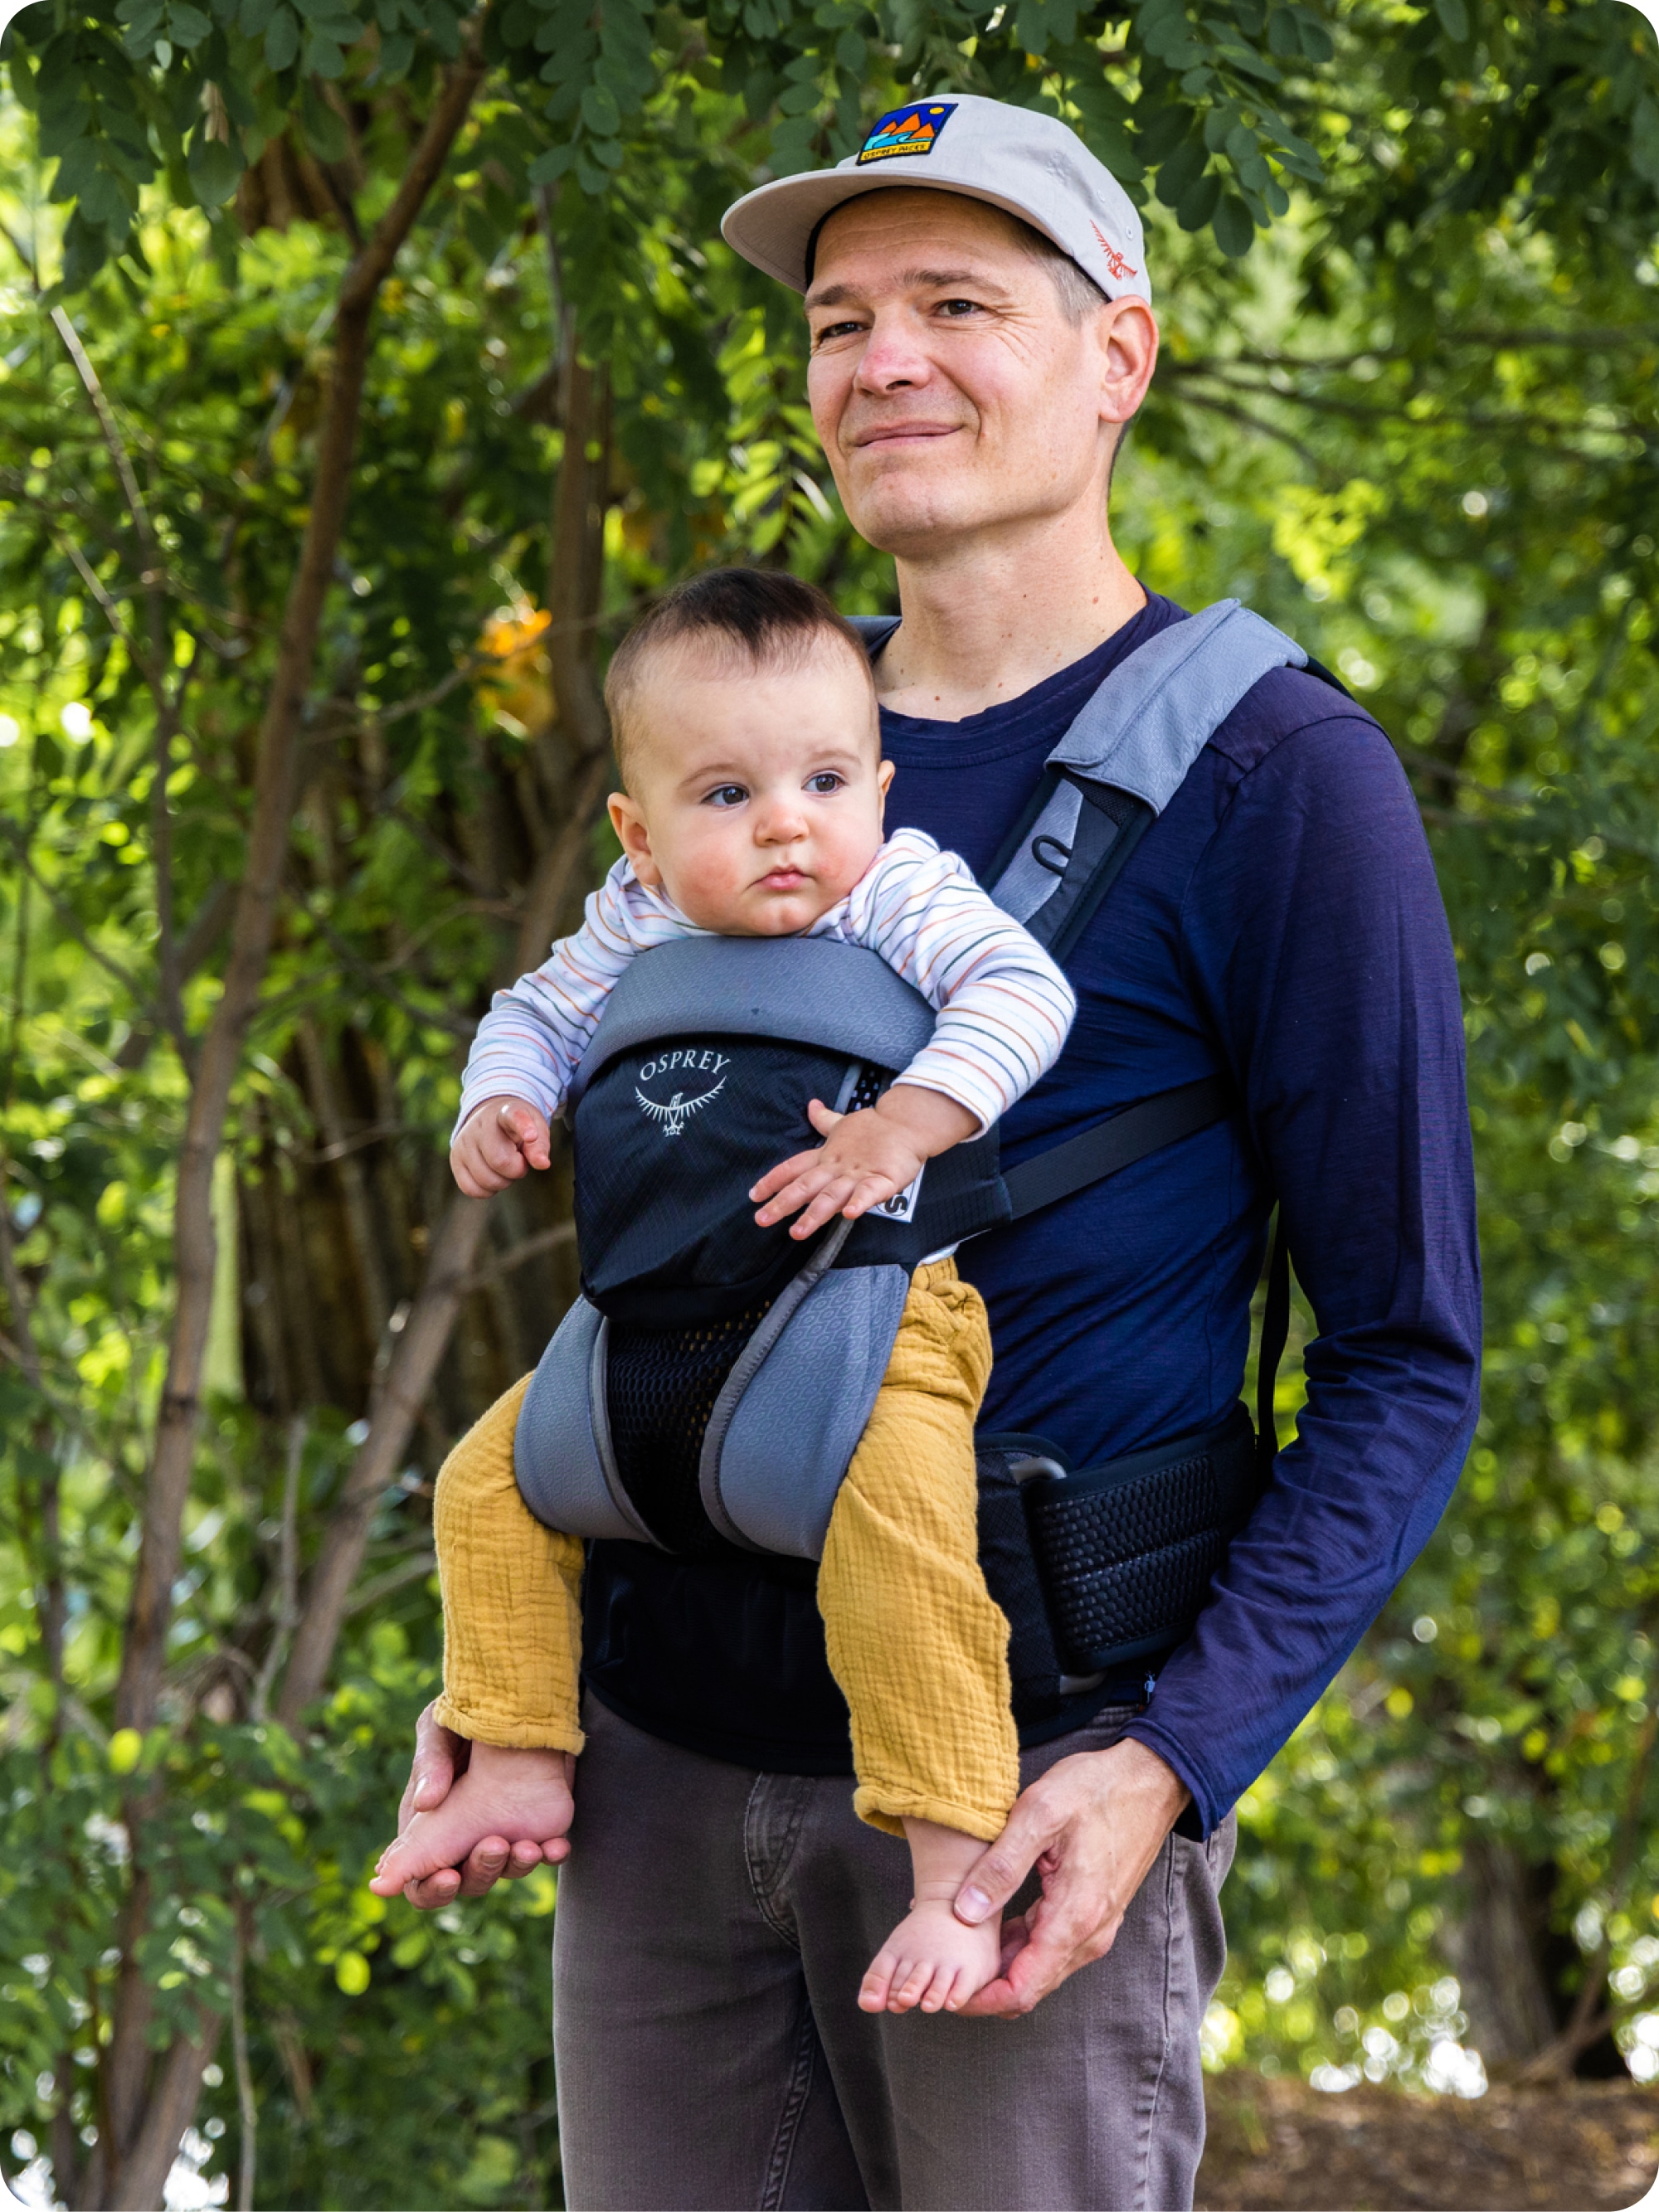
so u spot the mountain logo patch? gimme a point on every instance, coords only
(907, 131)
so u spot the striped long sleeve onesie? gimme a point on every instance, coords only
(917, 1643)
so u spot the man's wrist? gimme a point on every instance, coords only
(1139, 1772)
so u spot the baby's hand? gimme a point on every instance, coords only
(516, 1797)
(865, 1159)
(496, 1143)
(931, 1960)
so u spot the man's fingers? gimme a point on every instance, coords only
(433, 1771)
(440, 1889)
(992, 1881)
(824, 1118)
(484, 1865)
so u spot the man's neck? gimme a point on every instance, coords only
(984, 622)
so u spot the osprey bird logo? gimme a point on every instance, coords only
(674, 1115)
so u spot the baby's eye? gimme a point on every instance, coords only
(725, 794)
(824, 782)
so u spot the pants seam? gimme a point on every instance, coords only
(759, 1889)
(794, 2106)
(1149, 2125)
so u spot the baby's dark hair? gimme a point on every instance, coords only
(758, 615)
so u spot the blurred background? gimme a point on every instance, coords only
(363, 369)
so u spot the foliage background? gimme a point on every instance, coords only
(1407, 274)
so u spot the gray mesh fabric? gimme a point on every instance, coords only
(561, 1449)
(798, 1424)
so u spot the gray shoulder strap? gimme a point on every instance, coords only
(874, 629)
(811, 990)
(1139, 734)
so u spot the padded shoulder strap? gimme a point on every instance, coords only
(1123, 759)
(874, 629)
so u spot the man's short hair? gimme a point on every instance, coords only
(760, 615)
(1079, 294)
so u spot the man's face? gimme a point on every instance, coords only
(950, 391)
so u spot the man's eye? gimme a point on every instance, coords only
(725, 794)
(828, 331)
(956, 308)
(822, 784)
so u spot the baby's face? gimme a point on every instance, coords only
(757, 794)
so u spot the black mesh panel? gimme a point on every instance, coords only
(660, 1388)
(1127, 1562)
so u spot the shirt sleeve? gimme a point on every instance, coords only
(1317, 939)
(1004, 1007)
(531, 1041)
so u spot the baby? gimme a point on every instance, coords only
(746, 733)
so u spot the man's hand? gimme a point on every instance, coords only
(441, 1756)
(865, 1159)
(497, 1143)
(1092, 1826)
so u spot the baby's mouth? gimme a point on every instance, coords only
(783, 880)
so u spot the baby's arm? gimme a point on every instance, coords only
(530, 1043)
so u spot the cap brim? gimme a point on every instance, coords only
(772, 226)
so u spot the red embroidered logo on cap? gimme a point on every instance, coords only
(1115, 261)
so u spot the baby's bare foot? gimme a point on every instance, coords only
(931, 1961)
(520, 1799)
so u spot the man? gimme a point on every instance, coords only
(981, 334)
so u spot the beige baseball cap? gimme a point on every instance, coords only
(1029, 164)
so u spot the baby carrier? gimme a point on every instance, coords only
(708, 1387)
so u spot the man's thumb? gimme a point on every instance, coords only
(993, 1880)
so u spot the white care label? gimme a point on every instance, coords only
(901, 1205)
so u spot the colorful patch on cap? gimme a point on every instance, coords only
(907, 130)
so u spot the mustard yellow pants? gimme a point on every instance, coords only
(914, 1639)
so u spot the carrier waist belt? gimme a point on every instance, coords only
(1098, 1566)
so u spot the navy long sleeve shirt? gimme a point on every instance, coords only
(1279, 925)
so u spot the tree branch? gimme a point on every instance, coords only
(421, 1346)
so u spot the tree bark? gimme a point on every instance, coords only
(155, 2110)
(143, 1648)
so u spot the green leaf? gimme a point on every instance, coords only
(1234, 231)
(547, 168)
(216, 169)
(1316, 39)
(600, 112)
(323, 59)
(325, 131)
(1645, 139)
(1177, 176)
(1198, 206)
(396, 55)
(1453, 19)
(187, 26)
(255, 17)
(800, 99)
(281, 40)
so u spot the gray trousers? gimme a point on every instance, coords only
(713, 1924)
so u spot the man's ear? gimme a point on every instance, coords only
(1126, 331)
(628, 823)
